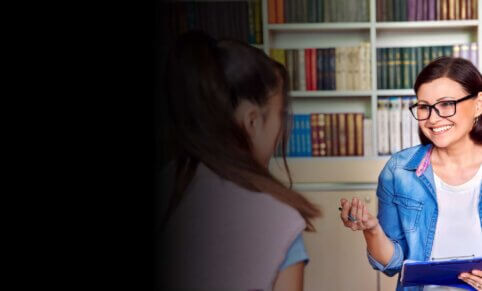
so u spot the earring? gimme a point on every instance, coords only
(476, 120)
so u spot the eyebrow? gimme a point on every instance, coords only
(439, 99)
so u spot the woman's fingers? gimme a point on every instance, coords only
(345, 208)
(474, 279)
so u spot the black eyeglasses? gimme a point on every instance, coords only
(444, 108)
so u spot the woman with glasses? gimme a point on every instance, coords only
(429, 196)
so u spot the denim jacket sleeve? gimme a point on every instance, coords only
(389, 220)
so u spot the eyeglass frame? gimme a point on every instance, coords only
(436, 110)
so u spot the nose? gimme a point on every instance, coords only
(434, 117)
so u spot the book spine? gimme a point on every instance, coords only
(350, 134)
(359, 138)
(313, 69)
(307, 135)
(315, 146)
(391, 68)
(411, 10)
(395, 124)
(431, 9)
(398, 68)
(321, 134)
(301, 69)
(413, 66)
(474, 48)
(332, 68)
(379, 69)
(290, 69)
(406, 123)
(272, 11)
(308, 69)
(328, 135)
(342, 134)
(319, 69)
(463, 9)
(367, 137)
(334, 134)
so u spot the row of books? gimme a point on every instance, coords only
(306, 11)
(241, 20)
(397, 68)
(326, 134)
(396, 127)
(342, 68)
(416, 10)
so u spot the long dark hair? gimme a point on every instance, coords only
(206, 80)
(461, 71)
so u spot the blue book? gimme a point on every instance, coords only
(307, 135)
(443, 272)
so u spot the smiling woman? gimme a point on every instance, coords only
(429, 196)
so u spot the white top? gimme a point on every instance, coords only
(458, 232)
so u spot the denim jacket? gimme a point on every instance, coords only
(407, 208)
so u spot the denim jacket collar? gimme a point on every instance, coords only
(418, 158)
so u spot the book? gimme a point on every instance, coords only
(359, 134)
(367, 137)
(334, 134)
(301, 70)
(411, 7)
(342, 134)
(382, 127)
(395, 122)
(438, 272)
(328, 135)
(321, 133)
(406, 123)
(315, 146)
(350, 134)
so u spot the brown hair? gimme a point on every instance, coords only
(461, 71)
(206, 81)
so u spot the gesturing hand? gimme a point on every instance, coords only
(474, 279)
(361, 219)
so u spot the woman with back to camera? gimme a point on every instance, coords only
(231, 225)
(429, 196)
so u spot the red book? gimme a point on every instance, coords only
(272, 11)
(280, 11)
(313, 70)
(308, 69)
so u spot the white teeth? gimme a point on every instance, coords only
(443, 128)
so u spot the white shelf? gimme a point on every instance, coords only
(427, 24)
(329, 93)
(259, 46)
(395, 92)
(320, 26)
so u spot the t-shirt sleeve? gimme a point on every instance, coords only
(295, 254)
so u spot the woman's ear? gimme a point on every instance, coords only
(478, 105)
(248, 116)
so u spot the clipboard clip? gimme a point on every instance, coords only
(453, 258)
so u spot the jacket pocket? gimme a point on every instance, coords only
(408, 211)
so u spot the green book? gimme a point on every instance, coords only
(396, 10)
(398, 68)
(389, 10)
(320, 15)
(391, 68)
(413, 66)
(327, 17)
(384, 52)
(406, 68)
(419, 57)
(448, 50)
(403, 10)
(379, 69)
(427, 55)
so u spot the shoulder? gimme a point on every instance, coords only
(402, 158)
(210, 187)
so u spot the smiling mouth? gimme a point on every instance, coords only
(441, 129)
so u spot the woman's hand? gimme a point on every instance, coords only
(474, 279)
(357, 210)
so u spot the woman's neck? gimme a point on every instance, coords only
(462, 155)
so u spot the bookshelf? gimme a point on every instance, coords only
(386, 34)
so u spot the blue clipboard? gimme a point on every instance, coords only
(443, 272)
